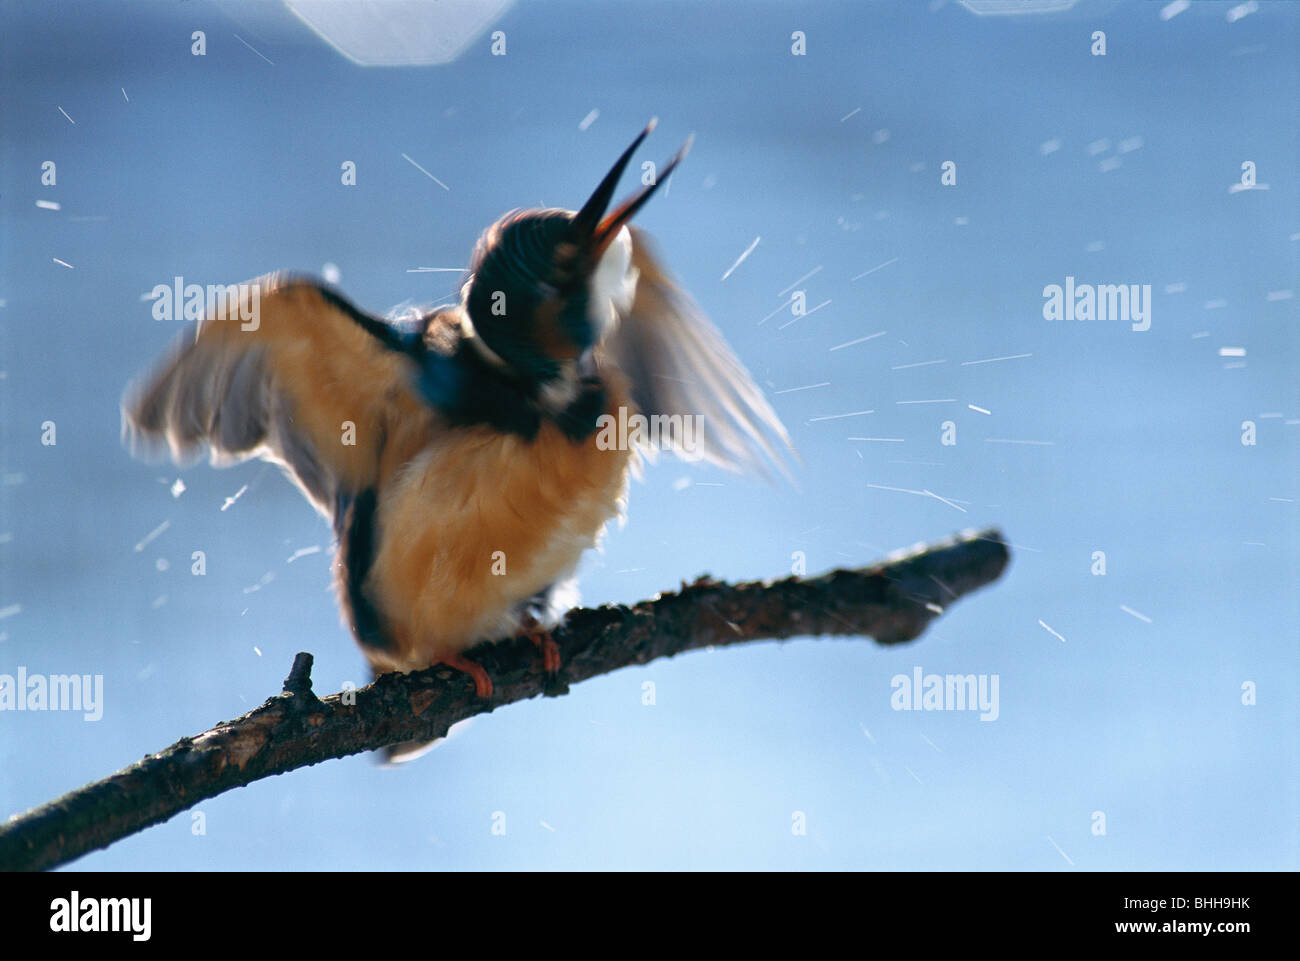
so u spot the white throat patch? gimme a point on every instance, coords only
(612, 285)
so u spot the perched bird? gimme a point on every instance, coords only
(468, 460)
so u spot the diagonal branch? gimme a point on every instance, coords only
(892, 602)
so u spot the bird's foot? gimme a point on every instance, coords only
(482, 681)
(543, 641)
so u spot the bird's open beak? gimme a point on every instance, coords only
(596, 233)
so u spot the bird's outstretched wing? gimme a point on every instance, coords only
(680, 365)
(292, 373)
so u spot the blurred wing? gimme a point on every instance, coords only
(679, 364)
(288, 371)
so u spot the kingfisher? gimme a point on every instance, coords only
(466, 459)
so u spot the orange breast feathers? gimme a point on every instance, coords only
(476, 524)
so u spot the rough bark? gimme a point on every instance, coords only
(892, 602)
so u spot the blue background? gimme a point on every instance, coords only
(223, 167)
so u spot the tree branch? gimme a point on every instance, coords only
(892, 602)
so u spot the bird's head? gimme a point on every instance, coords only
(545, 285)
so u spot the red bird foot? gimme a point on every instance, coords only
(543, 641)
(482, 681)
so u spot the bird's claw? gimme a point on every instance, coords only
(482, 680)
(543, 641)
